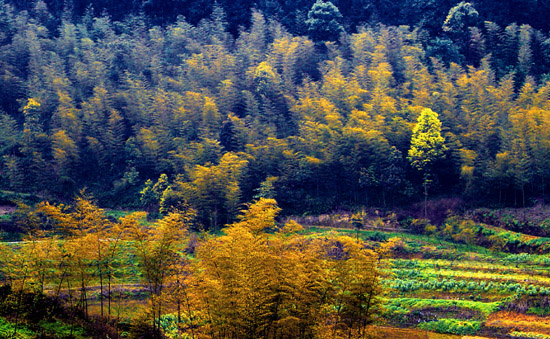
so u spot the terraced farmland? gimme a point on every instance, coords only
(453, 288)
(433, 287)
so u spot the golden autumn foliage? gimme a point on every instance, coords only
(251, 283)
(156, 249)
(89, 247)
(256, 280)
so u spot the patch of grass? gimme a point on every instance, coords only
(123, 310)
(6, 217)
(62, 330)
(117, 214)
(540, 311)
(452, 326)
(7, 330)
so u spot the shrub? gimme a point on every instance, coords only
(418, 226)
(452, 326)
(377, 236)
(142, 328)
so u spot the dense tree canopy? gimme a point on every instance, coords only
(257, 280)
(429, 14)
(197, 110)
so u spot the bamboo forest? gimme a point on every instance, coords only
(275, 169)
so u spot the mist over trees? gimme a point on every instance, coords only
(162, 103)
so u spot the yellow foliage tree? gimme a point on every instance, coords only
(251, 283)
(156, 248)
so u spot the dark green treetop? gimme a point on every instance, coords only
(324, 21)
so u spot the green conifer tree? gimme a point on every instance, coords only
(324, 21)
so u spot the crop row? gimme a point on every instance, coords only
(525, 258)
(503, 268)
(454, 326)
(528, 335)
(406, 305)
(465, 274)
(410, 285)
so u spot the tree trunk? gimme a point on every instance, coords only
(100, 287)
(425, 198)
(523, 195)
(109, 292)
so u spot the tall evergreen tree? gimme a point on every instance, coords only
(324, 21)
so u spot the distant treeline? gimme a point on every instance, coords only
(192, 112)
(428, 14)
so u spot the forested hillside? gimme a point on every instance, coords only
(428, 13)
(318, 105)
